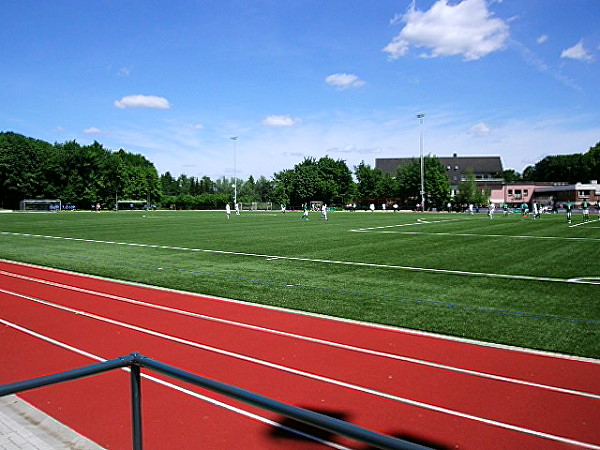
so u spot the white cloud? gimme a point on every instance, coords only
(344, 81)
(279, 121)
(91, 130)
(142, 101)
(466, 29)
(479, 130)
(577, 52)
(197, 126)
(543, 38)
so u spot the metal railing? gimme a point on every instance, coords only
(135, 362)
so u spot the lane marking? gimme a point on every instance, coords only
(325, 261)
(174, 386)
(309, 375)
(410, 331)
(300, 337)
(441, 233)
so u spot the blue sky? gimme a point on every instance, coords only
(303, 78)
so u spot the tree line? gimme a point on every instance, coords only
(83, 175)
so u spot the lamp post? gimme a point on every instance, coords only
(234, 139)
(421, 116)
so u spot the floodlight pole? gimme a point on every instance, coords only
(421, 116)
(234, 139)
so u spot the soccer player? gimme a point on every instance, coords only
(228, 210)
(505, 209)
(491, 210)
(585, 209)
(324, 211)
(569, 208)
(536, 211)
(304, 212)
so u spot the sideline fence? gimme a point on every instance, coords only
(135, 362)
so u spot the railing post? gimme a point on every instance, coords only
(136, 401)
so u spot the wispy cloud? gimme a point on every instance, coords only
(542, 39)
(91, 130)
(279, 121)
(467, 28)
(344, 81)
(479, 130)
(142, 101)
(577, 52)
(540, 65)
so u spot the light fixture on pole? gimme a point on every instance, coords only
(421, 116)
(234, 139)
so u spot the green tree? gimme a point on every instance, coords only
(368, 179)
(22, 162)
(264, 190)
(510, 175)
(468, 191)
(437, 186)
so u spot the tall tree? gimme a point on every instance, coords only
(437, 186)
(22, 162)
(368, 179)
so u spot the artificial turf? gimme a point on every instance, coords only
(510, 280)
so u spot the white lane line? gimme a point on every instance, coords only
(328, 261)
(313, 376)
(302, 337)
(479, 235)
(419, 222)
(174, 386)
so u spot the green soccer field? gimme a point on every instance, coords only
(509, 280)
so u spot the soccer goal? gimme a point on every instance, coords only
(257, 206)
(40, 205)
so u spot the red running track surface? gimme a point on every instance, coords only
(437, 391)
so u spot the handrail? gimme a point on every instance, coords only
(136, 361)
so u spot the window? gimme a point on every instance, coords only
(510, 192)
(584, 194)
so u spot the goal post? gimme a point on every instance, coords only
(40, 205)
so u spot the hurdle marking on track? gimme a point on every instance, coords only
(319, 261)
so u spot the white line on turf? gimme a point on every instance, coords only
(479, 235)
(342, 384)
(324, 261)
(301, 337)
(410, 331)
(175, 387)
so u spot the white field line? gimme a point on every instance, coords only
(313, 376)
(300, 337)
(174, 386)
(413, 332)
(389, 229)
(320, 261)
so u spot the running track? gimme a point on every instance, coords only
(441, 392)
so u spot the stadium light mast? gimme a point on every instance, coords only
(234, 139)
(421, 116)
